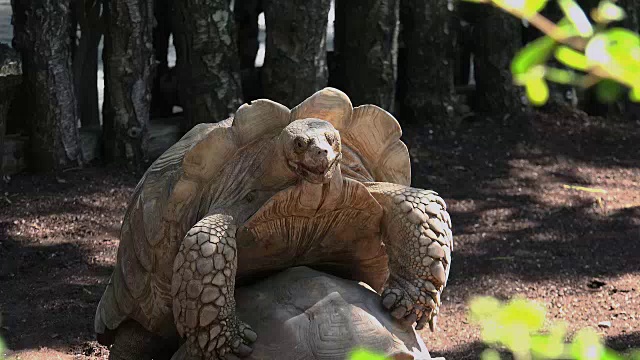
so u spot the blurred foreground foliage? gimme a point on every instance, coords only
(519, 327)
(594, 53)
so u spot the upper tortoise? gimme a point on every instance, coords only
(323, 185)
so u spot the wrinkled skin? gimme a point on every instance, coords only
(312, 149)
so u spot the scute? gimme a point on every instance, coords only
(327, 104)
(209, 155)
(375, 135)
(125, 301)
(137, 232)
(134, 275)
(108, 314)
(393, 165)
(259, 118)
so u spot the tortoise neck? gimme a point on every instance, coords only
(276, 172)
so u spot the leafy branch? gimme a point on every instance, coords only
(595, 55)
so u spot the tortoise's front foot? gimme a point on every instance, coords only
(203, 292)
(412, 301)
(417, 235)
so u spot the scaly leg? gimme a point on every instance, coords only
(417, 233)
(204, 273)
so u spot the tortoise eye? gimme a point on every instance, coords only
(299, 143)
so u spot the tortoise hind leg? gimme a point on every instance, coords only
(133, 342)
(203, 291)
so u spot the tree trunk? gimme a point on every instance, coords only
(295, 64)
(367, 48)
(161, 34)
(428, 36)
(41, 30)
(497, 37)
(85, 61)
(462, 48)
(246, 14)
(208, 71)
(128, 72)
(10, 78)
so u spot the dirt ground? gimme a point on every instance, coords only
(518, 230)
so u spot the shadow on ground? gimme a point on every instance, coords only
(505, 185)
(524, 224)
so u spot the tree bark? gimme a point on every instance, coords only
(128, 72)
(246, 14)
(366, 44)
(295, 64)
(85, 61)
(428, 36)
(41, 30)
(208, 71)
(10, 78)
(161, 35)
(497, 37)
(462, 48)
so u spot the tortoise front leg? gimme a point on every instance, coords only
(204, 273)
(417, 234)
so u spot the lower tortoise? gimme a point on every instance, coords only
(301, 313)
(323, 185)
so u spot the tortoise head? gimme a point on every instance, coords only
(312, 149)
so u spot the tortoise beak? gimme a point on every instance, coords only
(318, 164)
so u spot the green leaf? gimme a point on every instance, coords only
(537, 91)
(535, 53)
(532, 7)
(3, 349)
(587, 345)
(571, 58)
(564, 29)
(551, 346)
(560, 76)
(521, 8)
(616, 52)
(596, 51)
(490, 354)
(578, 18)
(363, 354)
(607, 12)
(634, 94)
(609, 354)
(483, 307)
(608, 91)
(519, 311)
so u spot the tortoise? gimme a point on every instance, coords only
(323, 185)
(334, 317)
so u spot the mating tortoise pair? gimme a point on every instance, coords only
(323, 185)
